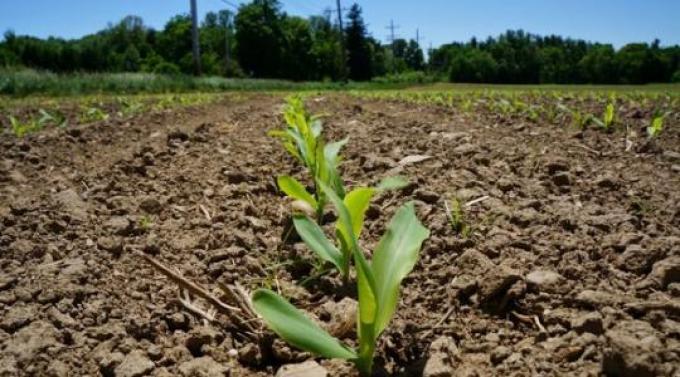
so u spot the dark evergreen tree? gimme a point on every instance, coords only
(358, 49)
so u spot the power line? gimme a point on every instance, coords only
(392, 27)
(235, 6)
(418, 37)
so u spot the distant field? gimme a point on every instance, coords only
(30, 82)
(22, 83)
(674, 88)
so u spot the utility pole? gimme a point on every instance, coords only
(391, 37)
(342, 40)
(392, 26)
(226, 45)
(194, 39)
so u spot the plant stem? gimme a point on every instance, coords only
(365, 361)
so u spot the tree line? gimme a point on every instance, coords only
(516, 57)
(260, 40)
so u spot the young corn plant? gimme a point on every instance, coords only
(20, 128)
(607, 117)
(93, 114)
(302, 139)
(340, 253)
(457, 218)
(656, 125)
(378, 285)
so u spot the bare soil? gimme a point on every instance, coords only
(572, 266)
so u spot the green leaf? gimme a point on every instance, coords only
(608, 115)
(316, 128)
(332, 150)
(365, 278)
(281, 134)
(296, 328)
(294, 189)
(346, 219)
(392, 183)
(394, 258)
(331, 160)
(357, 202)
(316, 240)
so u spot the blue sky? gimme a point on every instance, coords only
(439, 21)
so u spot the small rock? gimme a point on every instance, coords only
(373, 163)
(672, 155)
(632, 350)
(556, 166)
(496, 282)
(7, 282)
(499, 354)
(562, 179)
(201, 336)
(545, 281)
(636, 259)
(17, 316)
(598, 299)
(588, 323)
(177, 136)
(665, 272)
(309, 368)
(675, 168)
(236, 177)
(427, 196)
(465, 149)
(71, 203)
(607, 182)
(108, 363)
(204, 366)
(250, 354)
(135, 364)
(58, 368)
(443, 356)
(151, 205)
(59, 319)
(412, 159)
(177, 321)
(119, 225)
(113, 245)
(155, 352)
(343, 316)
(31, 341)
(284, 353)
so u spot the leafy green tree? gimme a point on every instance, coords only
(473, 66)
(599, 65)
(326, 49)
(298, 60)
(259, 38)
(413, 56)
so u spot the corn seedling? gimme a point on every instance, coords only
(145, 223)
(302, 139)
(378, 284)
(56, 118)
(656, 125)
(607, 117)
(129, 106)
(20, 129)
(93, 114)
(356, 202)
(457, 218)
